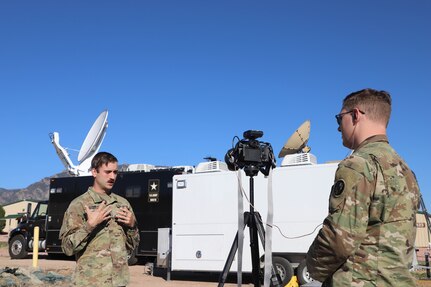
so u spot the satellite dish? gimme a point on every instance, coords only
(94, 138)
(297, 141)
(89, 147)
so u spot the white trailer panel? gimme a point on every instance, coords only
(205, 213)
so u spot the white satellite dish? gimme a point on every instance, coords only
(89, 147)
(297, 141)
(94, 138)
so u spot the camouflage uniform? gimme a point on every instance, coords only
(101, 254)
(368, 237)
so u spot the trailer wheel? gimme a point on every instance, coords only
(302, 273)
(283, 267)
(131, 258)
(17, 247)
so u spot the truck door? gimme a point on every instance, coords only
(38, 218)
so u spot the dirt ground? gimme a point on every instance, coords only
(139, 274)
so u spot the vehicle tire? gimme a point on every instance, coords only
(17, 247)
(283, 267)
(302, 273)
(131, 258)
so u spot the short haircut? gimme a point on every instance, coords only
(375, 104)
(102, 158)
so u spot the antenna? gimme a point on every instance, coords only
(297, 141)
(62, 153)
(89, 147)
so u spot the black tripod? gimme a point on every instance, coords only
(254, 222)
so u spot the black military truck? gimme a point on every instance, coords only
(21, 238)
(149, 193)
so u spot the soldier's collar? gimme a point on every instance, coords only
(98, 198)
(375, 138)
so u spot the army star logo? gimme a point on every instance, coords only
(338, 188)
(153, 190)
(153, 186)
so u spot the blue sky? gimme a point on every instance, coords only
(181, 78)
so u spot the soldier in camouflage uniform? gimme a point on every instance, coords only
(368, 237)
(100, 228)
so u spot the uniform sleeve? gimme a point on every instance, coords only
(345, 226)
(74, 232)
(132, 235)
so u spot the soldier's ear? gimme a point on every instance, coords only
(94, 172)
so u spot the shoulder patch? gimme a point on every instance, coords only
(338, 188)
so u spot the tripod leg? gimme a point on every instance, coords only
(228, 264)
(260, 228)
(276, 280)
(254, 245)
(231, 256)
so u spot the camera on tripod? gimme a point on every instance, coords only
(251, 155)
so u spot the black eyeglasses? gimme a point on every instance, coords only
(339, 117)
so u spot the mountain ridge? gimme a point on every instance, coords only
(36, 191)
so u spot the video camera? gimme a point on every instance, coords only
(251, 155)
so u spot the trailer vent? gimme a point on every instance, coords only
(299, 159)
(140, 167)
(185, 168)
(211, 166)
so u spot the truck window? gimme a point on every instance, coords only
(56, 190)
(40, 210)
(133, 191)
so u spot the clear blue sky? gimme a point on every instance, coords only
(181, 78)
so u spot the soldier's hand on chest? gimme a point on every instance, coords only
(97, 215)
(125, 216)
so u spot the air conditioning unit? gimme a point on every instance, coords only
(140, 167)
(211, 166)
(299, 159)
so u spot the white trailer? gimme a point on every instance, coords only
(205, 214)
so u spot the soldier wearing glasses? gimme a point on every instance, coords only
(368, 237)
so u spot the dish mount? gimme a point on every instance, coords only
(89, 147)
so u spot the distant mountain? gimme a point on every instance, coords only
(36, 191)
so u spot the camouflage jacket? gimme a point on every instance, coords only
(101, 254)
(368, 237)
